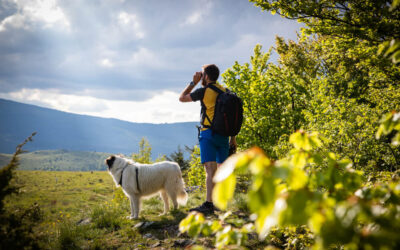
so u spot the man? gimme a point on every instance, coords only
(214, 148)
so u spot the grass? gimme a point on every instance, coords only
(82, 210)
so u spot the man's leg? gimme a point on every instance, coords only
(211, 168)
(208, 207)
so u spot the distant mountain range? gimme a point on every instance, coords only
(57, 130)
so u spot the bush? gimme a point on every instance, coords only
(16, 227)
(196, 174)
(308, 189)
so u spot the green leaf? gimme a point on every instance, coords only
(299, 159)
(223, 191)
(298, 179)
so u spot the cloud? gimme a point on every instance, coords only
(106, 63)
(129, 23)
(30, 12)
(124, 51)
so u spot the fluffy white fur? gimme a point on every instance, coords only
(161, 177)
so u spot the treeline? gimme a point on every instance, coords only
(59, 160)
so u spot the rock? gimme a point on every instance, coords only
(156, 245)
(140, 224)
(82, 222)
(183, 243)
(144, 225)
(148, 236)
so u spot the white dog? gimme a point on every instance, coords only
(139, 180)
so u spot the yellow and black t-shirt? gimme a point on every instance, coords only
(208, 98)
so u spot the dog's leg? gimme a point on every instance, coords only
(135, 206)
(172, 195)
(164, 196)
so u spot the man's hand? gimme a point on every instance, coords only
(197, 77)
(185, 95)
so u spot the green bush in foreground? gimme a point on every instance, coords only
(306, 189)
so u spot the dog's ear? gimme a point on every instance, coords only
(110, 160)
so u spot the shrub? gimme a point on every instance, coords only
(16, 227)
(196, 174)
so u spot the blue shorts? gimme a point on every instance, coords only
(213, 147)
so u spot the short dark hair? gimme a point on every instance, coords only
(212, 71)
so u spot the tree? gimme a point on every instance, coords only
(335, 86)
(178, 157)
(272, 101)
(144, 154)
(373, 21)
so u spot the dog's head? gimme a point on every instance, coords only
(116, 162)
(110, 161)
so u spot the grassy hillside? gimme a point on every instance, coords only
(84, 210)
(59, 160)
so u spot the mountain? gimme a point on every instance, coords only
(61, 130)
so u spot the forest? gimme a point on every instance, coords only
(318, 164)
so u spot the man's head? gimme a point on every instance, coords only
(212, 73)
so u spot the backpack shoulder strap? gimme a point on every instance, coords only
(216, 89)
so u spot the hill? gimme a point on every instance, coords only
(61, 130)
(59, 160)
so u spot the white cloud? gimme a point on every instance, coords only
(194, 18)
(198, 15)
(106, 63)
(130, 24)
(162, 108)
(29, 12)
(15, 21)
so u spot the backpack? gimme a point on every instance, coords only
(228, 113)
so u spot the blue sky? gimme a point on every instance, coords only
(124, 59)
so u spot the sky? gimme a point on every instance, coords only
(128, 60)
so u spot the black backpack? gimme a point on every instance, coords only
(228, 113)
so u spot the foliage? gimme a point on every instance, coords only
(272, 102)
(391, 49)
(390, 123)
(315, 189)
(196, 175)
(144, 154)
(370, 20)
(195, 224)
(331, 200)
(16, 230)
(338, 87)
(179, 157)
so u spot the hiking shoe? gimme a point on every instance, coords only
(205, 208)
